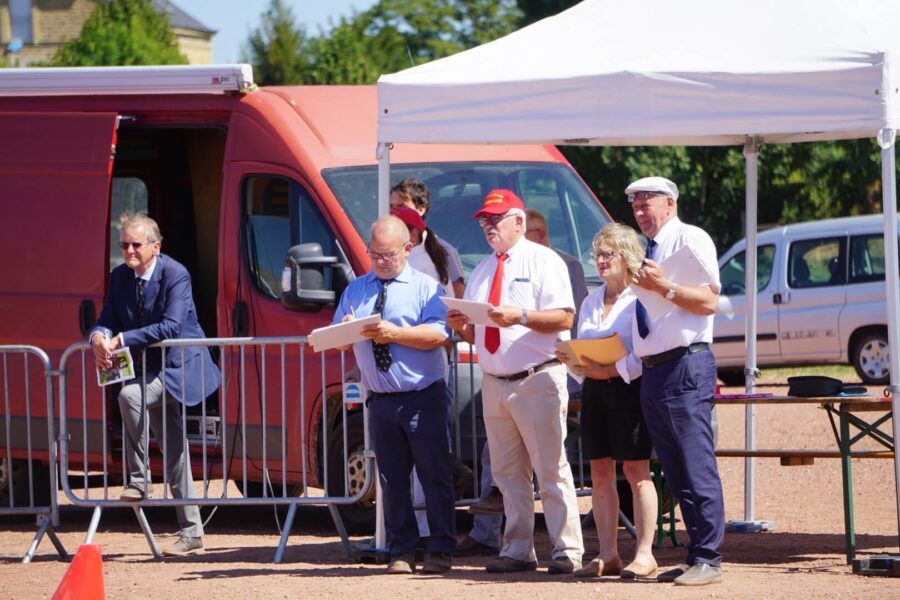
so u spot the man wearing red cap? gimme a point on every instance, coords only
(524, 388)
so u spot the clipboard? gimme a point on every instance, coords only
(605, 351)
(340, 334)
(682, 267)
(476, 311)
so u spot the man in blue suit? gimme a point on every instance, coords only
(149, 300)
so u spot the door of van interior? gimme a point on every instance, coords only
(816, 292)
(55, 171)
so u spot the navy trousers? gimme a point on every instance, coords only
(676, 399)
(411, 429)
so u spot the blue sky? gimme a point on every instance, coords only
(235, 19)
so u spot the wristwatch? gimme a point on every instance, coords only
(524, 319)
(670, 295)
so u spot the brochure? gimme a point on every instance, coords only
(122, 368)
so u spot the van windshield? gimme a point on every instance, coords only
(457, 189)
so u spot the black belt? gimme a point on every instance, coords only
(527, 372)
(657, 359)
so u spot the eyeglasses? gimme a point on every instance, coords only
(136, 245)
(492, 220)
(385, 255)
(605, 255)
(643, 195)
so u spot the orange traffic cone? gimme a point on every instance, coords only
(84, 577)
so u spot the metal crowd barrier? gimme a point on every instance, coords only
(280, 427)
(28, 474)
(270, 428)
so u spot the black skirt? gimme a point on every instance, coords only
(612, 424)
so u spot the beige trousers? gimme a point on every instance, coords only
(526, 425)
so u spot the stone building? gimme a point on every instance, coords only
(32, 30)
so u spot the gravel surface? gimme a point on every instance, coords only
(803, 557)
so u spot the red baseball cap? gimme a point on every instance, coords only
(409, 216)
(497, 202)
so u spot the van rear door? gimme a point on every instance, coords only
(55, 170)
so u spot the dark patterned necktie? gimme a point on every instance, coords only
(140, 298)
(381, 351)
(640, 313)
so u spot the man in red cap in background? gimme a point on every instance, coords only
(524, 388)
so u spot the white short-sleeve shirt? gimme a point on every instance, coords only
(534, 278)
(591, 324)
(679, 327)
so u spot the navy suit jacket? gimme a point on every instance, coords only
(169, 313)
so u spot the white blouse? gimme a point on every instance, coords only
(591, 324)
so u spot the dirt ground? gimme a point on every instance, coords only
(801, 558)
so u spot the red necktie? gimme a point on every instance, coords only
(492, 334)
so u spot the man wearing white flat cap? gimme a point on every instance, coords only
(679, 377)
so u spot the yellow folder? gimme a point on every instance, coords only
(605, 351)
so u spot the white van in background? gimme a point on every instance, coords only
(821, 299)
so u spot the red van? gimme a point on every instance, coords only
(236, 177)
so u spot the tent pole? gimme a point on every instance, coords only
(751, 155)
(383, 154)
(886, 140)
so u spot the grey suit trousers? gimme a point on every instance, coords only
(177, 457)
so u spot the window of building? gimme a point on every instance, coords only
(20, 20)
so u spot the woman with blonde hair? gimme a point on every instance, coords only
(612, 426)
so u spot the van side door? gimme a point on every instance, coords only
(816, 283)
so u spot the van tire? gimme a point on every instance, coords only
(358, 518)
(871, 358)
(15, 471)
(731, 378)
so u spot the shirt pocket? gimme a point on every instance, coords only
(522, 292)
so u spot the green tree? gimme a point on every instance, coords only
(396, 34)
(278, 48)
(124, 32)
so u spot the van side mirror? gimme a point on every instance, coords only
(303, 280)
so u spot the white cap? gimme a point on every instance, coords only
(653, 184)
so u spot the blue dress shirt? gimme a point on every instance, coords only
(412, 299)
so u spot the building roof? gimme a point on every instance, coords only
(179, 18)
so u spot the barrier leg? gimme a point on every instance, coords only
(285, 533)
(342, 531)
(44, 526)
(95, 522)
(148, 533)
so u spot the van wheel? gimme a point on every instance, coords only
(358, 518)
(872, 358)
(14, 480)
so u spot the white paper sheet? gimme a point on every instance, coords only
(340, 334)
(684, 268)
(476, 311)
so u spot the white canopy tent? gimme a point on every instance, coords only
(691, 72)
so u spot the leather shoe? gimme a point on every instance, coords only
(472, 547)
(437, 562)
(402, 564)
(505, 564)
(672, 574)
(700, 574)
(492, 504)
(598, 568)
(563, 565)
(640, 569)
